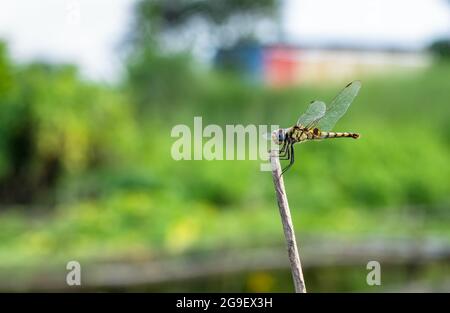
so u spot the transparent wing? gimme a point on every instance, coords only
(314, 112)
(339, 106)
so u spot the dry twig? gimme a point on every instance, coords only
(283, 205)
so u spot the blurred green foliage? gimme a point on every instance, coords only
(54, 125)
(159, 69)
(225, 18)
(84, 174)
(441, 48)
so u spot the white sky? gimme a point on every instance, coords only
(85, 32)
(89, 32)
(404, 23)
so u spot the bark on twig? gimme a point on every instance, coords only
(294, 258)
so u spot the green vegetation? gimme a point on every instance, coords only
(86, 172)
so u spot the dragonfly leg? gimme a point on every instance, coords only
(286, 154)
(291, 147)
(283, 149)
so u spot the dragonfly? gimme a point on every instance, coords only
(316, 123)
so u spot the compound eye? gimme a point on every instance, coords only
(280, 136)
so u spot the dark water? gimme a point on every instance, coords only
(394, 278)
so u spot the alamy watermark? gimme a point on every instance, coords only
(232, 142)
(73, 12)
(73, 277)
(374, 276)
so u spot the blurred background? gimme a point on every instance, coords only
(90, 90)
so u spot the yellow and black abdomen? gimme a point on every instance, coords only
(299, 134)
(324, 135)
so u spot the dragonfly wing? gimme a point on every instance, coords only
(339, 106)
(315, 111)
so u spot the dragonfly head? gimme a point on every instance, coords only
(279, 136)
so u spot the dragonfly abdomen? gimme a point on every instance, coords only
(324, 135)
